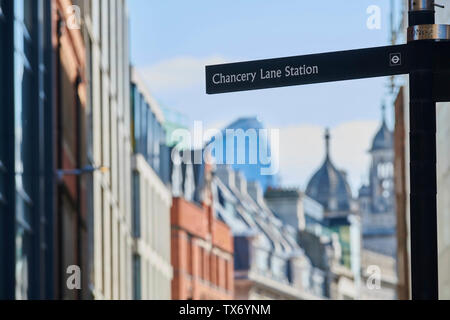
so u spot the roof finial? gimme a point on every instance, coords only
(383, 113)
(327, 142)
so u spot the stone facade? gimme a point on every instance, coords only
(269, 263)
(377, 199)
(109, 145)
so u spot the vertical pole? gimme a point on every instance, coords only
(424, 255)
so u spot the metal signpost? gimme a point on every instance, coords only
(426, 58)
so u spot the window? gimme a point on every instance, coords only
(24, 139)
(2, 113)
(136, 206)
(227, 285)
(262, 259)
(278, 267)
(144, 124)
(23, 250)
(156, 144)
(190, 249)
(136, 118)
(149, 136)
(137, 277)
(200, 263)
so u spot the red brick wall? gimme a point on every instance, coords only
(222, 237)
(200, 247)
(189, 217)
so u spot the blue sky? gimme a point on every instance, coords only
(171, 41)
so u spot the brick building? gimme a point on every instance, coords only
(70, 144)
(202, 246)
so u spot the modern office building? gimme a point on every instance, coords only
(202, 245)
(29, 264)
(152, 198)
(109, 145)
(269, 264)
(244, 144)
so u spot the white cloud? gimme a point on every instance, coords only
(302, 151)
(177, 73)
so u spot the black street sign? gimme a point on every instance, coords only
(307, 69)
(327, 67)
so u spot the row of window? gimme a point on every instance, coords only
(148, 133)
(266, 261)
(212, 268)
(25, 20)
(109, 75)
(113, 253)
(151, 216)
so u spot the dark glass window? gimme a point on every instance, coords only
(133, 124)
(144, 124)
(156, 142)
(148, 133)
(3, 235)
(2, 112)
(137, 119)
(136, 205)
(150, 137)
(137, 277)
(23, 146)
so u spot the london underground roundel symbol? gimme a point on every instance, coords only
(395, 59)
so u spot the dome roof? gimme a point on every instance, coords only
(384, 138)
(329, 186)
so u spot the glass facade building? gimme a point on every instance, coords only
(245, 145)
(149, 136)
(25, 107)
(152, 199)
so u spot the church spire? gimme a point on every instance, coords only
(327, 143)
(383, 113)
